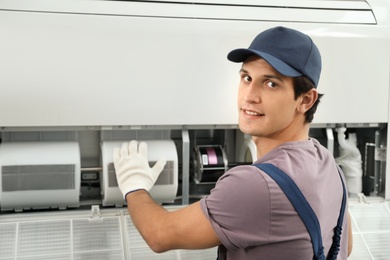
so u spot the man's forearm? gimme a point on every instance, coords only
(148, 217)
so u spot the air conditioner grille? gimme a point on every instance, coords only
(38, 177)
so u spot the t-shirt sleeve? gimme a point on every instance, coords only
(239, 208)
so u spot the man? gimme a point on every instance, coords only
(247, 214)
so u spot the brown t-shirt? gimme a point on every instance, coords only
(254, 219)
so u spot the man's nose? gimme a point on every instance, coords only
(253, 94)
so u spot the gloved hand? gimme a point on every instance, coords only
(132, 167)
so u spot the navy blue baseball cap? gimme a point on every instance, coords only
(290, 52)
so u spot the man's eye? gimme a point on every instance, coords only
(247, 78)
(271, 84)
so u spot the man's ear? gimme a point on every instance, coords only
(308, 99)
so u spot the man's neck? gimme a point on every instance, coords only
(265, 144)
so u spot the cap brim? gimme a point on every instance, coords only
(240, 55)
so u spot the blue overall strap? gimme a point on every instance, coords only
(335, 248)
(300, 204)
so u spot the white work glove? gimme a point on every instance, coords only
(132, 167)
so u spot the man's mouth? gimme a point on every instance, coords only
(252, 113)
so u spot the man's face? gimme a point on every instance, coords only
(266, 103)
